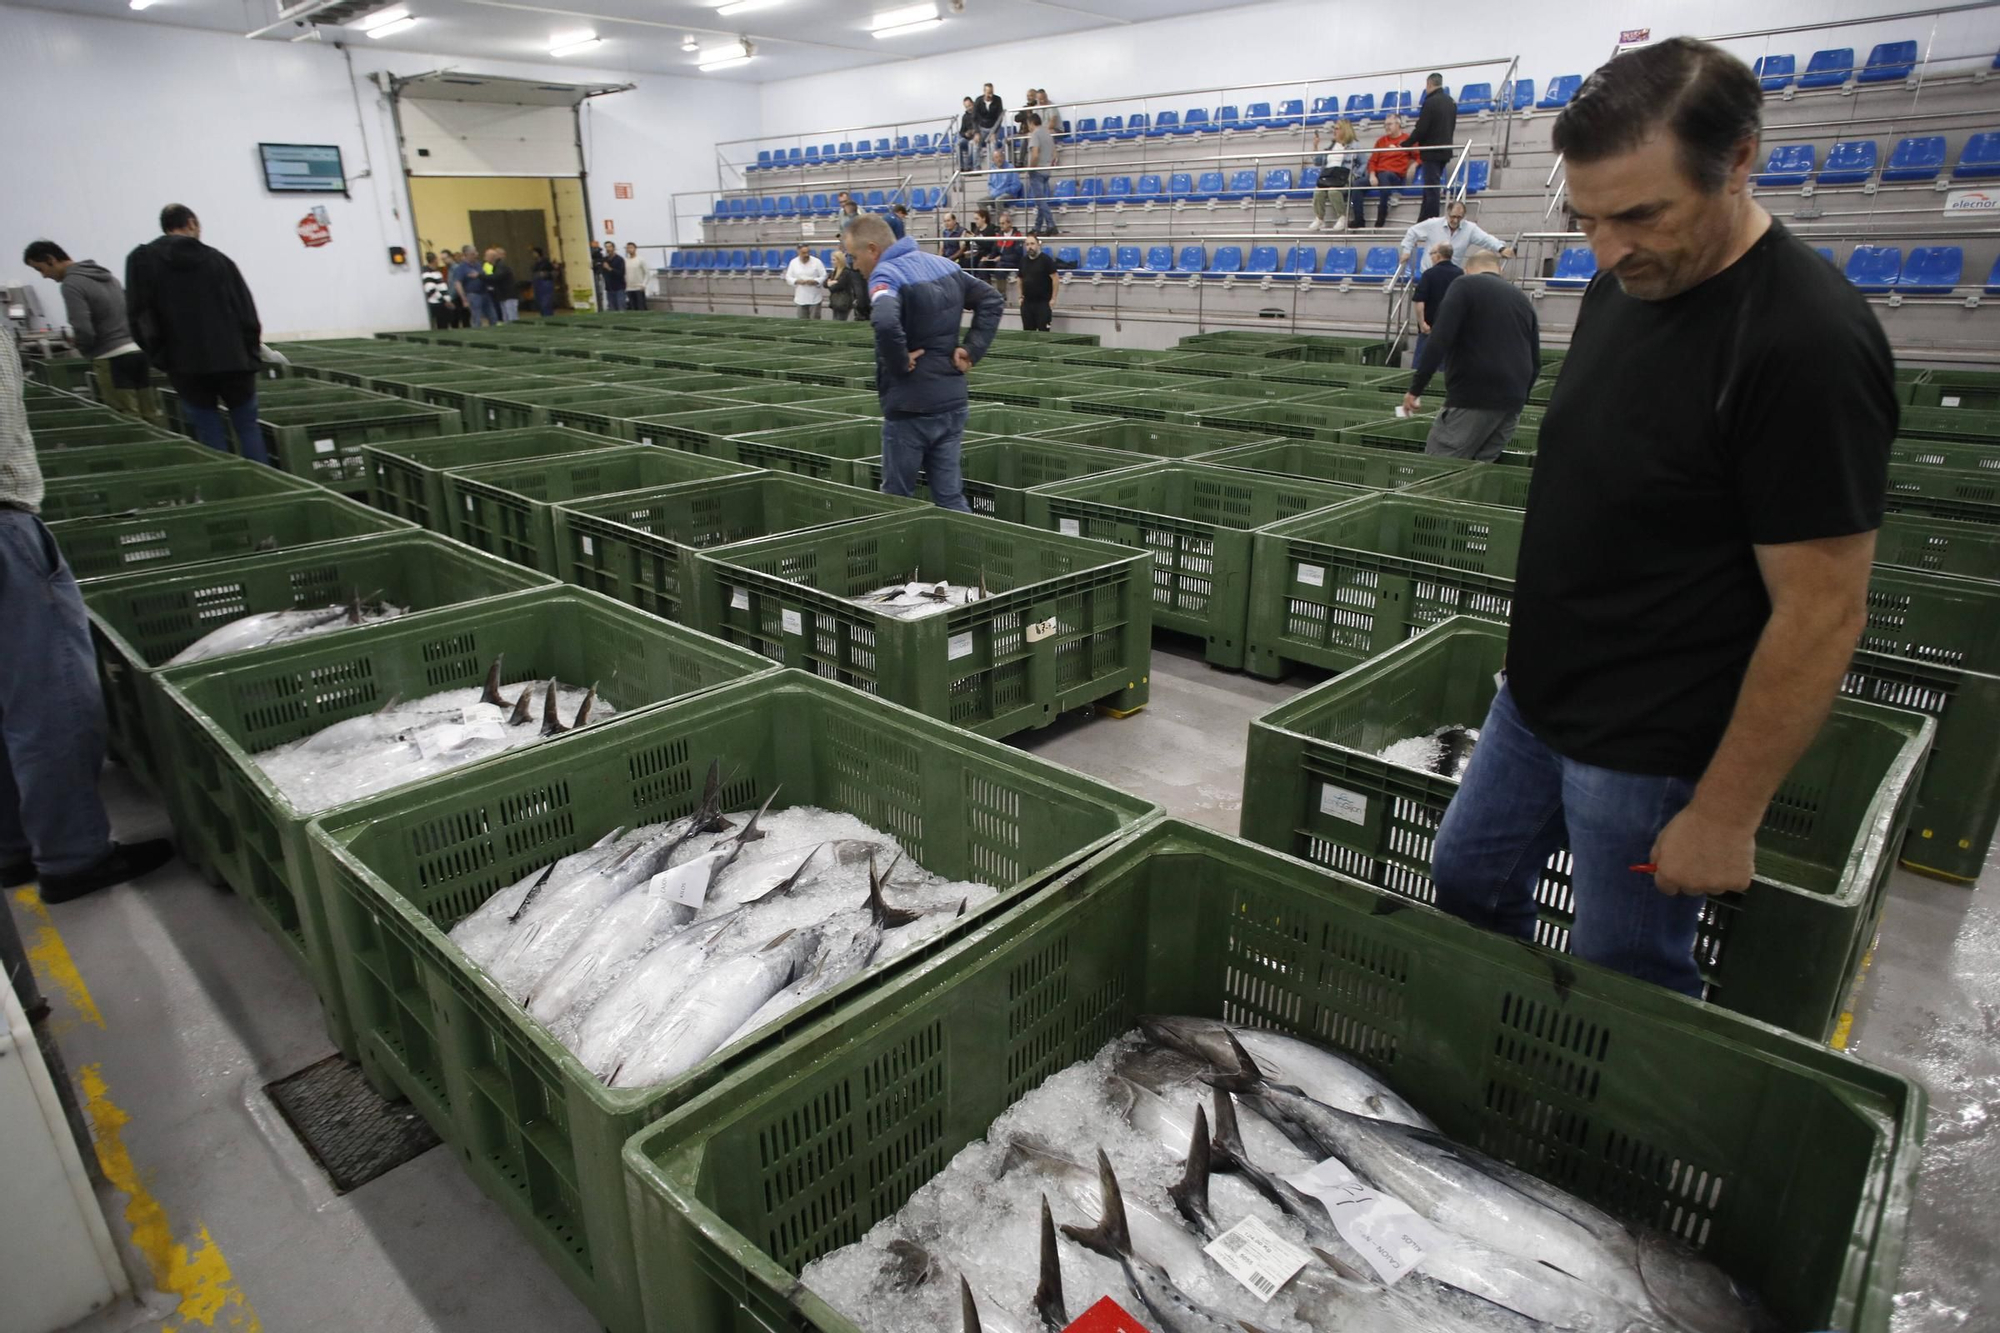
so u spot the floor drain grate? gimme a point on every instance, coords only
(351, 1132)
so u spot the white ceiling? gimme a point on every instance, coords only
(792, 37)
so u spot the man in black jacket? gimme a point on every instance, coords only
(986, 112)
(1038, 286)
(1437, 122)
(1487, 330)
(193, 316)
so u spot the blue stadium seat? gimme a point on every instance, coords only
(825, 205)
(1825, 252)
(1097, 259)
(1478, 175)
(1875, 268)
(775, 260)
(1379, 265)
(1180, 187)
(1278, 184)
(1136, 126)
(927, 200)
(721, 210)
(1828, 69)
(1069, 254)
(1089, 193)
(812, 155)
(846, 153)
(1227, 118)
(1064, 194)
(1848, 162)
(1086, 130)
(826, 257)
(1993, 277)
(1129, 259)
(1981, 158)
(1524, 94)
(1257, 116)
(1361, 106)
(1891, 62)
(876, 201)
(1302, 260)
(1561, 89)
(1789, 164)
(1111, 127)
(1196, 121)
(828, 153)
(1291, 112)
(1263, 259)
(739, 261)
(1325, 110)
(1165, 123)
(1228, 260)
(1118, 190)
(1916, 159)
(1341, 261)
(1475, 98)
(1575, 267)
(1932, 270)
(1148, 189)
(795, 157)
(788, 207)
(763, 160)
(1160, 259)
(882, 148)
(1242, 185)
(1403, 104)
(1776, 72)
(902, 148)
(1192, 259)
(1207, 186)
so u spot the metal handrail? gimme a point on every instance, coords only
(1856, 22)
(1182, 163)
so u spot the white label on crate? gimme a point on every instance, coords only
(1041, 629)
(645, 439)
(1313, 576)
(1949, 400)
(1257, 1256)
(492, 414)
(434, 741)
(959, 645)
(1069, 527)
(589, 546)
(468, 502)
(322, 446)
(1341, 803)
(739, 599)
(793, 622)
(1382, 1228)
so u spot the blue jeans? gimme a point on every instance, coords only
(1386, 183)
(926, 448)
(1038, 191)
(51, 714)
(1520, 802)
(545, 297)
(484, 310)
(203, 398)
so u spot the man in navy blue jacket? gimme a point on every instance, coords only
(920, 367)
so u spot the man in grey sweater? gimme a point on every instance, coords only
(95, 305)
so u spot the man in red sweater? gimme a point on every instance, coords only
(1390, 165)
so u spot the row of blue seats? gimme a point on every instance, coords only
(1929, 270)
(921, 145)
(1852, 161)
(923, 199)
(1889, 62)
(1300, 261)
(1187, 187)
(736, 261)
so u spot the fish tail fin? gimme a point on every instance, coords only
(394, 699)
(354, 611)
(885, 916)
(1226, 1152)
(583, 709)
(961, 906)
(529, 896)
(1190, 1192)
(524, 707)
(711, 820)
(1242, 1075)
(1048, 1299)
(551, 720)
(1112, 1236)
(751, 833)
(968, 1309)
(491, 694)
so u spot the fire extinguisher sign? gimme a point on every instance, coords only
(314, 229)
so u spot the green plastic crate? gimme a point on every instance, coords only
(525, 408)
(139, 621)
(1973, 496)
(1786, 952)
(1002, 419)
(999, 471)
(1120, 358)
(1197, 521)
(68, 373)
(1477, 484)
(1955, 390)
(464, 391)
(1068, 622)
(1034, 388)
(534, 1129)
(216, 717)
(1334, 375)
(94, 437)
(506, 509)
(835, 450)
(771, 393)
(618, 417)
(1335, 588)
(63, 464)
(1304, 421)
(70, 414)
(1612, 1089)
(1939, 545)
(1949, 423)
(639, 546)
(1158, 439)
(1377, 469)
(125, 494)
(324, 444)
(407, 479)
(855, 376)
(709, 429)
(232, 530)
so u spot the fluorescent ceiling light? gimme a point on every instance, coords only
(921, 25)
(726, 57)
(742, 7)
(571, 43)
(394, 26)
(381, 18)
(907, 16)
(141, 4)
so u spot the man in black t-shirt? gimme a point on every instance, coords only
(1694, 563)
(1429, 295)
(1039, 288)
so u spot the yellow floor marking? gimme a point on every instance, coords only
(51, 960)
(200, 1276)
(1845, 1026)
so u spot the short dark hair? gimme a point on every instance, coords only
(1707, 98)
(44, 252)
(1434, 80)
(175, 216)
(1034, 119)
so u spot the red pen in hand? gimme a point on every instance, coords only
(1645, 868)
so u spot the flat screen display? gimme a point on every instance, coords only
(303, 168)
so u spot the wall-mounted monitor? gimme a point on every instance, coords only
(303, 168)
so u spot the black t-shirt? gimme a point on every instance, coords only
(1433, 285)
(1038, 276)
(1756, 409)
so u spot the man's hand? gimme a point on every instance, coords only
(1411, 403)
(1506, 252)
(1696, 854)
(1422, 327)
(962, 359)
(913, 361)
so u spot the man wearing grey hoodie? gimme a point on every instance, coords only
(95, 304)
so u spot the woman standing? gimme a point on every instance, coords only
(1343, 168)
(637, 272)
(542, 279)
(847, 289)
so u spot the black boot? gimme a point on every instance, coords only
(124, 861)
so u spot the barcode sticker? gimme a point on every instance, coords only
(1257, 1256)
(793, 622)
(1313, 576)
(323, 446)
(959, 645)
(1069, 527)
(1041, 629)
(1341, 803)
(589, 546)
(645, 439)
(739, 600)
(1383, 1229)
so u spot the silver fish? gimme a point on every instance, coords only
(634, 1004)
(713, 1007)
(268, 627)
(1251, 1055)
(1171, 1308)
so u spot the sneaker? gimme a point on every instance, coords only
(124, 861)
(1340, 224)
(16, 873)
(1314, 225)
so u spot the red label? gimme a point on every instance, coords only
(313, 232)
(621, 190)
(609, 230)
(1107, 1316)
(1631, 35)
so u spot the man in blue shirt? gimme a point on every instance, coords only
(918, 299)
(468, 280)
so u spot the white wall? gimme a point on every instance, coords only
(1310, 39)
(116, 118)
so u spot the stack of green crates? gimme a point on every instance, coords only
(407, 479)
(134, 493)
(1610, 1088)
(999, 471)
(324, 444)
(708, 430)
(62, 438)
(831, 450)
(231, 530)
(63, 464)
(1786, 952)
(532, 1125)
(1377, 469)
(1157, 438)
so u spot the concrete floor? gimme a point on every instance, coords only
(175, 1010)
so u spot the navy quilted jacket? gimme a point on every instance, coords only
(918, 301)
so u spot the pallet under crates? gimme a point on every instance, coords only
(1786, 952)
(1615, 1090)
(534, 1128)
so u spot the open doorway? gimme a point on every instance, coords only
(516, 213)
